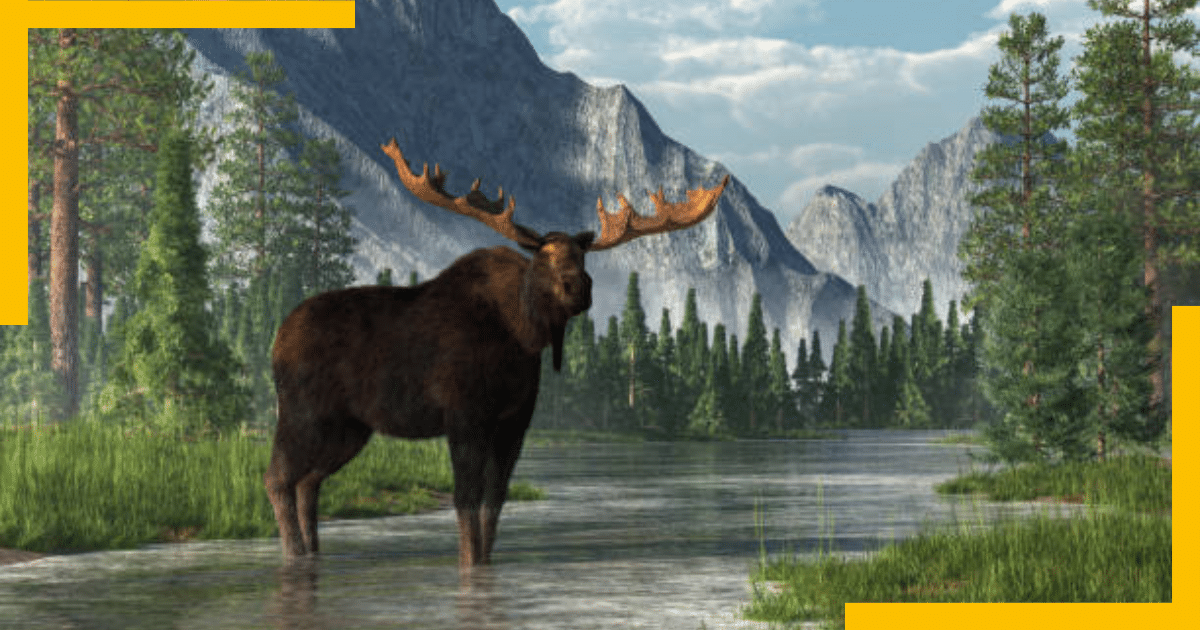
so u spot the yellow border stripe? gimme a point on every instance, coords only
(181, 14)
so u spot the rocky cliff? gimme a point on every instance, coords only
(910, 234)
(456, 82)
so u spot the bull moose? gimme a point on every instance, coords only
(458, 355)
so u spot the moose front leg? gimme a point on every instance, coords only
(505, 450)
(467, 455)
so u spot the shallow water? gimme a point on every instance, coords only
(655, 535)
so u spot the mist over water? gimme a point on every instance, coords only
(654, 535)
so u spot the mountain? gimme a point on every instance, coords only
(456, 82)
(910, 234)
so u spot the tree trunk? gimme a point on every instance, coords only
(64, 245)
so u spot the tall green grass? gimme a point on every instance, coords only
(1111, 555)
(86, 485)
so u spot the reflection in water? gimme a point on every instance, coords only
(294, 605)
(478, 603)
(656, 535)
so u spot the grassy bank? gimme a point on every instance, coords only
(1121, 553)
(87, 486)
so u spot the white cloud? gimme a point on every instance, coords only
(1002, 10)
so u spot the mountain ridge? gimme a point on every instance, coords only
(477, 100)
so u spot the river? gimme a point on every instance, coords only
(653, 535)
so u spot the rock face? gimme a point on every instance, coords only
(910, 234)
(456, 82)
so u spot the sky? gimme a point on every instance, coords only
(791, 95)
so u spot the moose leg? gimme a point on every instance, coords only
(505, 450)
(341, 441)
(467, 454)
(280, 481)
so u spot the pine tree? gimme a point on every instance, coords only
(114, 87)
(384, 277)
(173, 373)
(256, 215)
(710, 416)
(1137, 125)
(861, 361)
(322, 238)
(802, 384)
(755, 367)
(633, 340)
(610, 377)
(885, 389)
(838, 384)
(817, 372)
(782, 395)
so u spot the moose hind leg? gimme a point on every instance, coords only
(341, 441)
(280, 480)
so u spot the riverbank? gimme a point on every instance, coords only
(86, 486)
(1126, 537)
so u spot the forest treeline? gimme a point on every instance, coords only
(1075, 251)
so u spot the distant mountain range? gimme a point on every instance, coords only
(910, 234)
(456, 82)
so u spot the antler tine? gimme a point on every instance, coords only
(474, 204)
(625, 225)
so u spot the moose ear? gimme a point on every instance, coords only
(584, 239)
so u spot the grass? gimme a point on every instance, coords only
(1110, 555)
(87, 486)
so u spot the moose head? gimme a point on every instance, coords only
(557, 278)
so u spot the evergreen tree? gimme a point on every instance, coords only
(253, 204)
(671, 413)
(384, 277)
(610, 378)
(110, 87)
(861, 361)
(838, 384)
(633, 340)
(817, 372)
(710, 416)
(885, 389)
(173, 372)
(802, 383)
(1140, 96)
(412, 278)
(779, 388)
(755, 367)
(321, 236)
(687, 341)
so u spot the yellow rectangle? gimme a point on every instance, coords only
(184, 14)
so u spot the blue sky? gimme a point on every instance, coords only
(794, 94)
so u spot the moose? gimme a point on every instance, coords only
(458, 355)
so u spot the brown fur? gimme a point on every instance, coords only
(458, 356)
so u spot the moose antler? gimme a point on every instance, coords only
(625, 225)
(473, 204)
